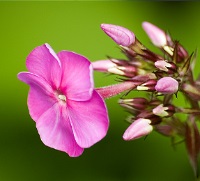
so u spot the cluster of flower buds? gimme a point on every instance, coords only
(163, 77)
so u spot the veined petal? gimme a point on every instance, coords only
(77, 76)
(44, 62)
(41, 95)
(55, 131)
(89, 120)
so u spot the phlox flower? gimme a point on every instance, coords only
(69, 114)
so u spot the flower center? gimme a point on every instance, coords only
(62, 97)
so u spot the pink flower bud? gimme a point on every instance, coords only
(120, 35)
(138, 103)
(162, 65)
(157, 36)
(147, 86)
(103, 65)
(160, 111)
(167, 85)
(140, 127)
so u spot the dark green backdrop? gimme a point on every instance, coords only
(76, 26)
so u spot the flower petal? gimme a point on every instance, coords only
(41, 95)
(77, 79)
(55, 131)
(89, 120)
(44, 62)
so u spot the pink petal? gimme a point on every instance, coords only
(55, 131)
(41, 95)
(77, 78)
(44, 62)
(89, 120)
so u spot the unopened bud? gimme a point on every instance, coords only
(140, 127)
(147, 86)
(167, 85)
(165, 66)
(135, 103)
(182, 52)
(156, 35)
(103, 65)
(119, 34)
(164, 111)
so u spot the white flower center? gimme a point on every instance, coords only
(62, 97)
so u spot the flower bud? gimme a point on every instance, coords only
(167, 85)
(182, 52)
(138, 103)
(120, 35)
(165, 66)
(164, 111)
(157, 36)
(140, 127)
(147, 86)
(103, 65)
(119, 67)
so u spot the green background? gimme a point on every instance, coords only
(75, 26)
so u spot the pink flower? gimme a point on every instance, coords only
(69, 114)
(119, 34)
(167, 85)
(140, 127)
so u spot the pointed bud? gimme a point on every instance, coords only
(119, 67)
(165, 66)
(140, 127)
(135, 103)
(157, 36)
(182, 52)
(120, 35)
(164, 111)
(167, 85)
(147, 86)
(103, 65)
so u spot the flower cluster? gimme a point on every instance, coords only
(163, 77)
(71, 115)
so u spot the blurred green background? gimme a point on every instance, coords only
(76, 26)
